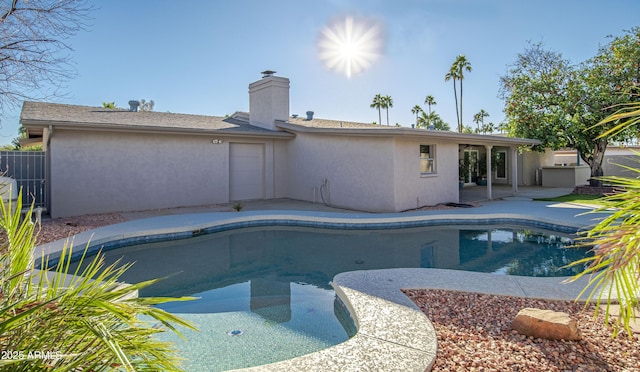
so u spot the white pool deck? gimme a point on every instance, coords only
(393, 334)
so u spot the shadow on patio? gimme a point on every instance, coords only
(471, 194)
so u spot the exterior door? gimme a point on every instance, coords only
(246, 171)
(471, 160)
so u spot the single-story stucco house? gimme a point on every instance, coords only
(106, 160)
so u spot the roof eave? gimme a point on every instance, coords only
(472, 139)
(62, 125)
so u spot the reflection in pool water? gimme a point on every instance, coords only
(272, 283)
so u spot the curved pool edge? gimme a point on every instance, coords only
(184, 226)
(393, 334)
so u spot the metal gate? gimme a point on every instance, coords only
(28, 168)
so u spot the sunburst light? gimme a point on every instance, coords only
(350, 45)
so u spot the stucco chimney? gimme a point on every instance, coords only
(268, 101)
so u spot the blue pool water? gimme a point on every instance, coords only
(264, 293)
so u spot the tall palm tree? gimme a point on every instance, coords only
(378, 103)
(416, 110)
(429, 100)
(388, 103)
(461, 64)
(453, 75)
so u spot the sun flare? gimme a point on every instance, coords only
(350, 46)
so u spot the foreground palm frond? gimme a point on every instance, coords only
(627, 116)
(615, 265)
(84, 320)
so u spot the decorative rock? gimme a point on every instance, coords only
(547, 324)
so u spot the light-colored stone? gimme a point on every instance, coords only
(547, 324)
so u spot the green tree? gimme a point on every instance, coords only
(416, 110)
(535, 91)
(387, 103)
(453, 76)
(88, 317)
(378, 103)
(478, 118)
(548, 99)
(35, 63)
(109, 105)
(609, 79)
(615, 265)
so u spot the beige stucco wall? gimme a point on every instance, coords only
(414, 190)
(357, 171)
(376, 174)
(529, 168)
(97, 172)
(569, 176)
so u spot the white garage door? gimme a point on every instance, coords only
(246, 167)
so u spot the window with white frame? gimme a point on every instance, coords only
(427, 159)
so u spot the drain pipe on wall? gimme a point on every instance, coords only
(325, 189)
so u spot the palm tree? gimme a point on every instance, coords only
(614, 265)
(488, 128)
(479, 119)
(437, 123)
(90, 319)
(388, 103)
(503, 127)
(416, 110)
(432, 121)
(453, 75)
(460, 65)
(429, 100)
(378, 103)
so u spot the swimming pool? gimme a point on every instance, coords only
(265, 293)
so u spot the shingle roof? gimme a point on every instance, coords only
(42, 113)
(324, 123)
(337, 127)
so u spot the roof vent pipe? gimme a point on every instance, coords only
(133, 105)
(309, 115)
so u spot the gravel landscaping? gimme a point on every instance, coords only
(474, 334)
